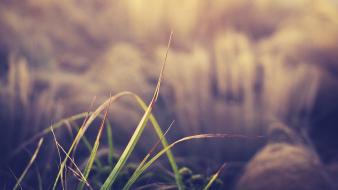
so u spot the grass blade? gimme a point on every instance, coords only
(137, 133)
(59, 155)
(89, 147)
(46, 131)
(164, 142)
(145, 159)
(94, 150)
(110, 143)
(29, 164)
(214, 177)
(137, 174)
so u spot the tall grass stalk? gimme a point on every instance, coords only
(138, 131)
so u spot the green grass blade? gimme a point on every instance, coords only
(164, 142)
(145, 159)
(90, 148)
(94, 150)
(137, 133)
(214, 177)
(110, 143)
(29, 164)
(128, 150)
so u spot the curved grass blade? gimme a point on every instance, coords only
(214, 177)
(57, 125)
(29, 164)
(137, 173)
(46, 131)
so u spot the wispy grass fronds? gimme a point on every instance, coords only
(29, 164)
(214, 177)
(78, 171)
(59, 155)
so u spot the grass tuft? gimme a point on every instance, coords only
(138, 131)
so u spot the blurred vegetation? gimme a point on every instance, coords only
(233, 65)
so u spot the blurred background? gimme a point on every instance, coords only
(232, 66)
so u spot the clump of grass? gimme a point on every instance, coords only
(117, 167)
(137, 170)
(137, 133)
(130, 146)
(111, 155)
